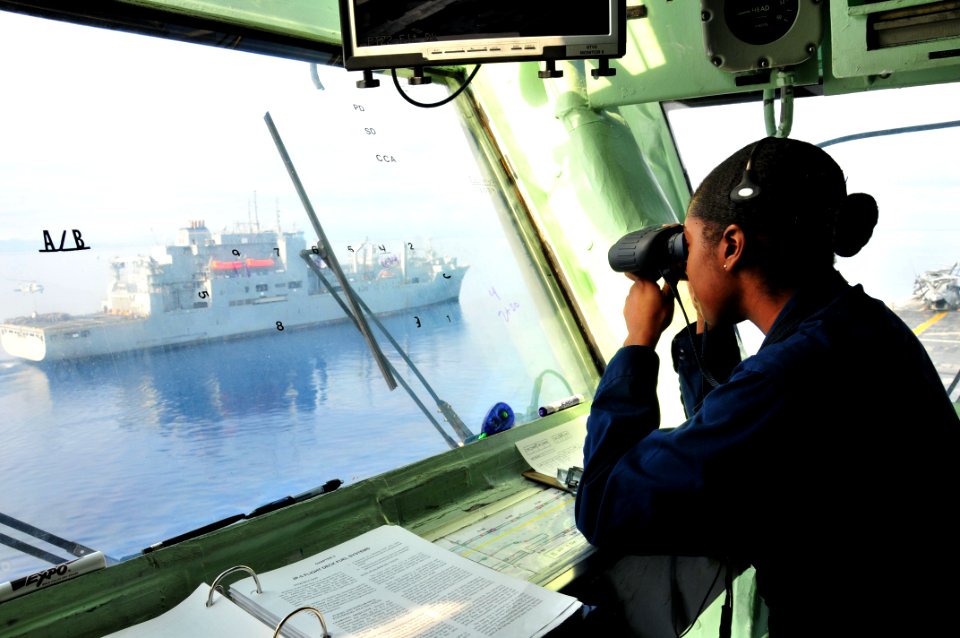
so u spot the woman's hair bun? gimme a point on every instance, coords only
(854, 224)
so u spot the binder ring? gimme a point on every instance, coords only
(312, 610)
(237, 568)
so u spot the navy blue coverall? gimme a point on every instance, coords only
(828, 460)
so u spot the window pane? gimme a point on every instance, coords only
(133, 143)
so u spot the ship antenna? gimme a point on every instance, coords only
(256, 213)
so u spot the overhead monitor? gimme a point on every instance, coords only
(389, 34)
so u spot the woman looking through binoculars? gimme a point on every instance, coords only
(826, 460)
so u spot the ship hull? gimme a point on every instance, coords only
(102, 334)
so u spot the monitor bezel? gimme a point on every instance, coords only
(482, 50)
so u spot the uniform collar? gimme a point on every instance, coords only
(805, 302)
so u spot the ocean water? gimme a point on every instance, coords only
(119, 452)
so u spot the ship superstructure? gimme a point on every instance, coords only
(230, 284)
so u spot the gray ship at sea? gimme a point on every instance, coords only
(231, 284)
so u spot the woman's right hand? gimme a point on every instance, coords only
(647, 311)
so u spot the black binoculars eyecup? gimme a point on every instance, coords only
(652, 253)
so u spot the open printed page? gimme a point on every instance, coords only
(559, 448)
(390, 583)
(192, 617)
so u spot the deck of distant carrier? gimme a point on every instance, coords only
(939, 331)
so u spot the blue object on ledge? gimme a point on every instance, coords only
(499, 418)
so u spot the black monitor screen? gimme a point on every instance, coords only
(386, 22)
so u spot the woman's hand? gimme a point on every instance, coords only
(648, 311)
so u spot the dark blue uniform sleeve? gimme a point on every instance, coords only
(669, 491)
(720, 353)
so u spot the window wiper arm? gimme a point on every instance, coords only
(73, 547)
(457, 424)
(354, 311)
(326, 251)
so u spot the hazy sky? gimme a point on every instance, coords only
(127, 137)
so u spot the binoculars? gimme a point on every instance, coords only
(652, 253)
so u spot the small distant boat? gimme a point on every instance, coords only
(939, 289)
(227, 285)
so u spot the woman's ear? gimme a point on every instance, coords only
(731, 246)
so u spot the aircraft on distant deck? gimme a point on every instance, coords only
(29, 286)
(939, 289)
